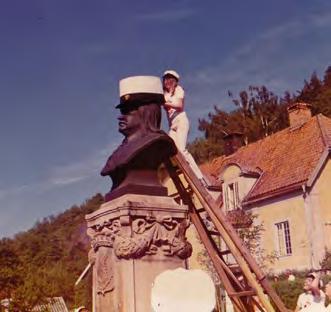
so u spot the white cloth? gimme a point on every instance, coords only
(179, 129)
(184, 291)
(176, 100)
(179, 126)
(309, 303)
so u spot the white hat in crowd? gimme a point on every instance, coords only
(171, 72)
(140, 90)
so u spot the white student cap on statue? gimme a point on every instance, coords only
(140, 90)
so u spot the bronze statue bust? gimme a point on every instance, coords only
(133, 165)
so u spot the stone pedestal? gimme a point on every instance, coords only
(134, 239)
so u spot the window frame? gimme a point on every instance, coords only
(283, 239)
(231, 196)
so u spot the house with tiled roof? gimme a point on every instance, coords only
(285, 179)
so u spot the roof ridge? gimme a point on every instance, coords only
(269, 137)
(325, 137)
(288, 128)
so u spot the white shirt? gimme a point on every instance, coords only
(175, 100)
(308, 302)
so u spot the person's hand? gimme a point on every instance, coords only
(315, 284)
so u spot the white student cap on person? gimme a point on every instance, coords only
(171, 72)
(140, 90)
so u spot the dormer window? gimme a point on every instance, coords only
(235, 187)
(231, 196)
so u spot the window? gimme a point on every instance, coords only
(231, 196)
(283, 238)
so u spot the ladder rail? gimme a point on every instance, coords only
(211, 248)
(219, 266)
(240, 252)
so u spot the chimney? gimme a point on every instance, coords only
(233, 141)
(298, 114)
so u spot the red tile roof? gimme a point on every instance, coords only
(285, 160)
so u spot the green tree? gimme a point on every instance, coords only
(258, 113)
(289, 291)
(317, 92)
(10, 278)
(262, 111)
(326, 262)
(46, 260)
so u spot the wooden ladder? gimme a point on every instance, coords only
(247, 286)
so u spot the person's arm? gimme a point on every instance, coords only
(177, 100)
(178, 104)
(315, 290)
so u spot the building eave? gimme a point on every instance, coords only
(324, 157)
(274, 193)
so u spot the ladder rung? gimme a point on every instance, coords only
(215, 233)
(178, 170)
(199, 210)
(242, 293)
(224, 252)
(235, 268)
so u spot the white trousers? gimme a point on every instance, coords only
(179, 128)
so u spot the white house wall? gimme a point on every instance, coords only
(286, 208)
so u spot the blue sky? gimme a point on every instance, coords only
(60, 62)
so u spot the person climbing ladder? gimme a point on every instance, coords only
(178, 122)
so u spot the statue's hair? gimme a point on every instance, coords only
(151, 117)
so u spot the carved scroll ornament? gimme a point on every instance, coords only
(149, 236)
(153, 234)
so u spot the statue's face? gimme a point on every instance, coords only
(129, 122)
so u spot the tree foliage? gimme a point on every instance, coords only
(326, 262)
(258, 113)
(289, 291)
(46, 260)
(250, 234)
(317, 92)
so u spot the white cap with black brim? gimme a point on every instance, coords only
(140, 90)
